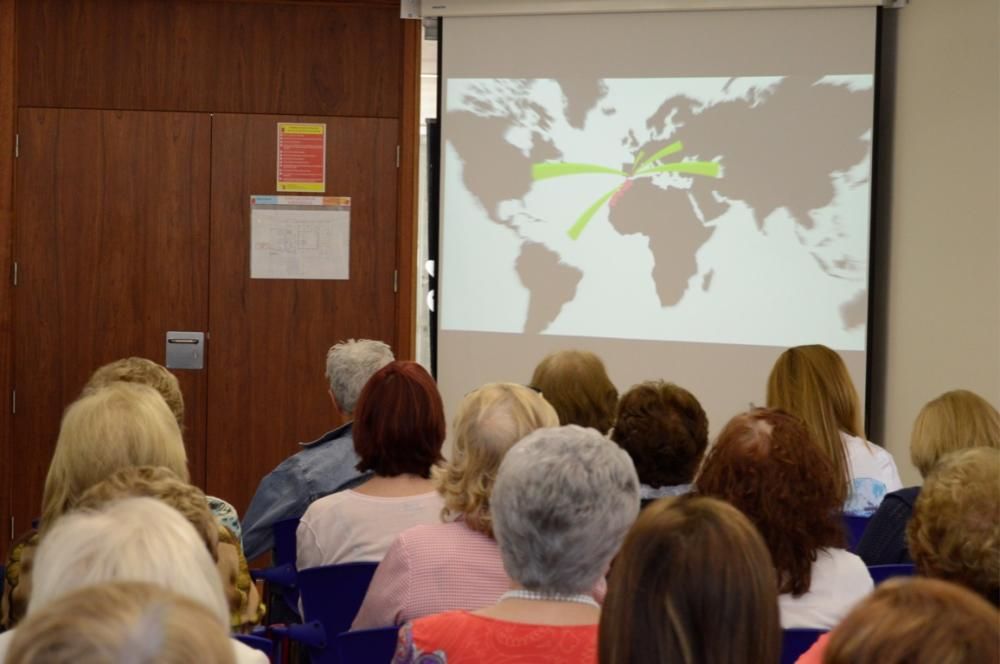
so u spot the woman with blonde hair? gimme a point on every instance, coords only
(457, 564)
(118, 426)
(955, 421)
(812, 383)
(132, 622)
(693, 584)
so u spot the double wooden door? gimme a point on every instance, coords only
(129, 224)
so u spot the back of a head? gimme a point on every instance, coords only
(917, 621)
(955, 530)
(122, 425)
(399, 425)
(576, 383)
(765, 464)
(162, 484)
(563, 500)
(134, 539)
(693, 584)
(121, 623)
(812, 383)
(954, 421)
(349, 366)
(489, 421)
(143, 372)
(665, 431)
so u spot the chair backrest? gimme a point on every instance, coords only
(855, 526)
(332, 595)
(796, 641)
(260, 643)
(880, 573)
(284, 541)
(367, 646)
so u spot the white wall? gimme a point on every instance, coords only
(943, 318)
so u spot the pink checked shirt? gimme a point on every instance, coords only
(434, 568)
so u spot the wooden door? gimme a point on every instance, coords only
(111, 242)
(267, 389)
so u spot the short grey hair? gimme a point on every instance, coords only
(133, 539)
(563, 500)
(350, 364)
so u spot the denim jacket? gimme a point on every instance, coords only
(321, 468)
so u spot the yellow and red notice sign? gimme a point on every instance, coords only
(301, 156)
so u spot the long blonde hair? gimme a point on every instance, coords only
(956, 420)
(489, 422)
(812, 383)
(121, 425)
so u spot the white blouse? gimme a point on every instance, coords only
(348, 526)
(839, 581)
(873, 475)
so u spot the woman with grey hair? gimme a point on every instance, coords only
(563, 500)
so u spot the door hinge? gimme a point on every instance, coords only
(17, 146)
(13, 402)
(395, 281)
(397, 156)
(14, 274)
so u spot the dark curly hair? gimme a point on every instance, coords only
(665, 431)
(766, 465)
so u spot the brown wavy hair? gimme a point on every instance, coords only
(693, 584)
(665, 431)
(766, 465)
(576, 383)
(955, 533)
(917, 621)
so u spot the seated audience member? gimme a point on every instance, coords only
(563, 500)
(576, 383)
(118, 426)
(693, 583)
(955, 530)
(812, 383)
(132, 622)
(954, 421)
(398, 432)
(133, 539)
(913, 621)
(140, 371)
(457, 564)
(665, 431)
(163, 485)
(765, 464)
(325, 465)
(146, 372)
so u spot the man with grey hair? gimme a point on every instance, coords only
(325, 465)
(563, 500)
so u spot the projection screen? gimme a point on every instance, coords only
(686, 194)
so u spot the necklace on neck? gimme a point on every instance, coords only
(579, 598)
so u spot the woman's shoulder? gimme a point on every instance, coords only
(840, 563)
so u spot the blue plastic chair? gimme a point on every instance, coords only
(282, 575)
(796, 641)
(261, 643)
(368, 646)
(880, 573)
(855, 526)
(331, 596)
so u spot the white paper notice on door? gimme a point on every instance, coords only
(300, 237)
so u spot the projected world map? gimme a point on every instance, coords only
(689, 209)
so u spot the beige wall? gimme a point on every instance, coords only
(943, 301)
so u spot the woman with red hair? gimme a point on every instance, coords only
(398, 432)
(765, 464)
